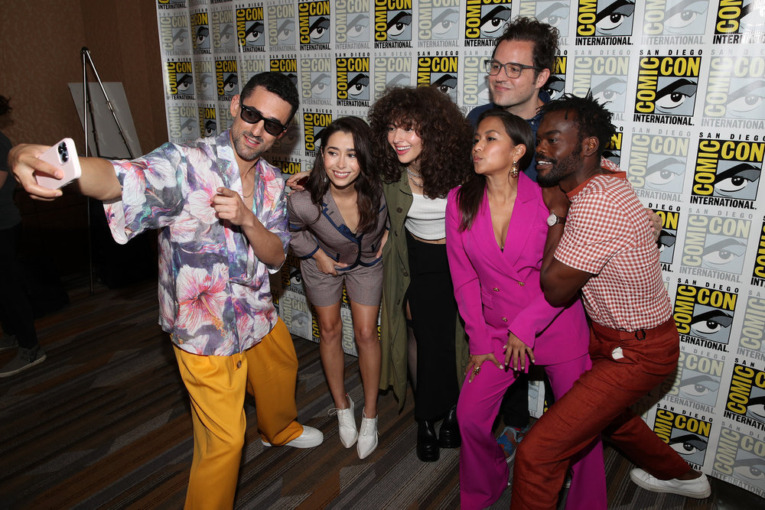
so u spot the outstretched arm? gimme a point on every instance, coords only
(98, 178)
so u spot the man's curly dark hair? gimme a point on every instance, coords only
(544, 37)
(591, 118)
(447, 137)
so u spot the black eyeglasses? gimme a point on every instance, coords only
(252, 116)
(512, 69)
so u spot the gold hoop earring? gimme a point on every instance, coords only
(514, 170)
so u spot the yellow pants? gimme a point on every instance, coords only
(216, 385)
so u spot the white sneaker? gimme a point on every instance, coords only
(697, 488)
(308, 439)
(367, 436)
(347, 422)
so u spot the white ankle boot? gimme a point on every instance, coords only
(367, 436)
(347, 423)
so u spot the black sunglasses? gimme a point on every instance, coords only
(252, 116)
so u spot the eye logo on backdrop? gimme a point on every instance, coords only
(746, 396)
(666, 88)
(697, 382)
(393, 24)
(352, 80)
(667, 236)
(171, 4)
(704, 315)
(438, 23)
(313, 124)
(180, 79)
(475, 83)
(739, 459)
(556, 83)
(224, 35)
(226, 78)
(316, 80)
(758, 272)
(604, 22)
(740, 22)
(287, 65)
(751, 343)
(392, 70)
(208, 126)
(439, 70)
(251, 64)
(200, 32)
(485, 20)
(250, 28)
(613, 151)
(715, 246)
(687, 435)
(553, 12)
(727, 173)
(675, 22)
(174, 33)
(182, 122)
(657, 165)
(352, 24)
(281, 27)
(314, 25)
(735, 95)
(606, 77)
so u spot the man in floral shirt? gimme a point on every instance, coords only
(221, 211)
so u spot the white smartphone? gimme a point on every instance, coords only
(64, 156)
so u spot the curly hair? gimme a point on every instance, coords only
(544, 37)
(447, 137)
(367, 184)
(591, 118)
(470, 195)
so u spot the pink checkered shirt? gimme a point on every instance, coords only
(608, 234)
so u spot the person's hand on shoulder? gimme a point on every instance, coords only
(297, 181)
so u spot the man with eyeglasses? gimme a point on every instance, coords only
(221, 211)
(517, 72)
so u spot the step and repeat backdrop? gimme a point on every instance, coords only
(685, 80)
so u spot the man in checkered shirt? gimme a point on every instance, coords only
(600, 242)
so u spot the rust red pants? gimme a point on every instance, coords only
(599, 404)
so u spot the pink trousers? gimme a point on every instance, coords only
(483, 470)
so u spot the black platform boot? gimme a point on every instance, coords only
(449, 435)
(427, 442)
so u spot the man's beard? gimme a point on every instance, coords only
(560, 169)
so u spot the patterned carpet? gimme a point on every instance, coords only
(104, 423)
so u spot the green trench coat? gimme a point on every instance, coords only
(393, 329)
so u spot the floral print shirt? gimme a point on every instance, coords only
(214, 294)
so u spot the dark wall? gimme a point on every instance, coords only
(39, 56)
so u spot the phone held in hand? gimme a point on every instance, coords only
(64, 156)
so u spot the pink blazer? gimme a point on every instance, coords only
(499, 291)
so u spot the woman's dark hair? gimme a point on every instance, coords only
(367, 184)
(446, 137)
(470, 195)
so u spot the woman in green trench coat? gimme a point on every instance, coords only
(421, 144)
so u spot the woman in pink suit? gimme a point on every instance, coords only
(496, 227)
